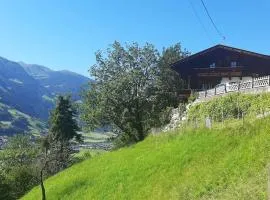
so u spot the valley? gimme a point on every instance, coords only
(27, 94)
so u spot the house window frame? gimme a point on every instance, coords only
(233, 64)
(212, 65)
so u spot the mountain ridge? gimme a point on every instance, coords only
(32, 88)
(57, 81)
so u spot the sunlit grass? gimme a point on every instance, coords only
(84, 153)
(221, 163)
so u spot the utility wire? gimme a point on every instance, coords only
(207, 12)
(200, 21)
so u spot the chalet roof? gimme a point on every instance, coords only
(219, 46)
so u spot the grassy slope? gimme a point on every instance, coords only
(35, 125)
(228, 163)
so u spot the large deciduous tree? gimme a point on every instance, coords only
(133, 85)
(170, 82)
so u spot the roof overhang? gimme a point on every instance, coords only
(217, 47)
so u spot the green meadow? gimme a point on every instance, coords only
(225, 162)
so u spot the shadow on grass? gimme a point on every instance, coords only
(73, 187)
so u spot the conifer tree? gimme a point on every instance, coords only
(63, 125)
(56, 147)
(63, 128)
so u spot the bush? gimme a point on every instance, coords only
(193, 96)
(21, 179)
(4, 187)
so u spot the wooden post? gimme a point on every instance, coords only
(188, 82)
(238, 110)
(215, 90)
(208, 123)
(222, 117)
(252, 83)
(268, 80)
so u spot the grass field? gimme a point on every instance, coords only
(222, 163)
(84, 153)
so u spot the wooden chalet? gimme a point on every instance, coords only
(221, 64)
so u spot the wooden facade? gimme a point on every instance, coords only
(208, 68)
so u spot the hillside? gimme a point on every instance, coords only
(21, 91)
(13, 121)
(221, 163)
(31, 90)
(57, 82)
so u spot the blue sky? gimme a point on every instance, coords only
(63, 34)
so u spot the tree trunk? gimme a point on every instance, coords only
(139, 125)
(42, 186)
(140, 131)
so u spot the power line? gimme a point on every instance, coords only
(207, 12)
(200, 21)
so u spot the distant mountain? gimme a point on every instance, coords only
(57, 82)
(14, 122)
(21, 91)
(31, 89)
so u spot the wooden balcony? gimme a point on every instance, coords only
(219, 72)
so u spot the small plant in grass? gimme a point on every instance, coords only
(193, 96)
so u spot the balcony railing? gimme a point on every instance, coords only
(234, 87)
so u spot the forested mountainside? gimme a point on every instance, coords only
(31, 89)
(14, 122)
(57, 82)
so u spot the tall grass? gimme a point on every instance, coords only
(233, 106)
(224, 163)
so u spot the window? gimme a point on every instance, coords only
(233, 64)
(213, 65)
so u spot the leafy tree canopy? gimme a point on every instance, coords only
(133, 86)
(16, 166)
